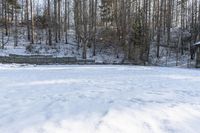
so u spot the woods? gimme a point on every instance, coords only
(99, 66)
(140, 29)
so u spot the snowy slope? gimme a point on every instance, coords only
(103, 55)
(99, 99)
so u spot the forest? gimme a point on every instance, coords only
(137, 31)
(99, 66)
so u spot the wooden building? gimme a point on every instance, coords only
(195, 54)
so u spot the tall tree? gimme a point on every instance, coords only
(32, 22)
(49, 23)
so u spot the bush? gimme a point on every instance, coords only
(29, 48)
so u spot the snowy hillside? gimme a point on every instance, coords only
(99, 99)
(105, 54)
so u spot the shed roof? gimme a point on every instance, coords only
(197, 44)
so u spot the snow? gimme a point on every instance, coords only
(104, 54)
(99, 99)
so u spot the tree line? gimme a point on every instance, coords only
(133, 25)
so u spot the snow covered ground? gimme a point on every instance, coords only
(104, 54)
(99, 99)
